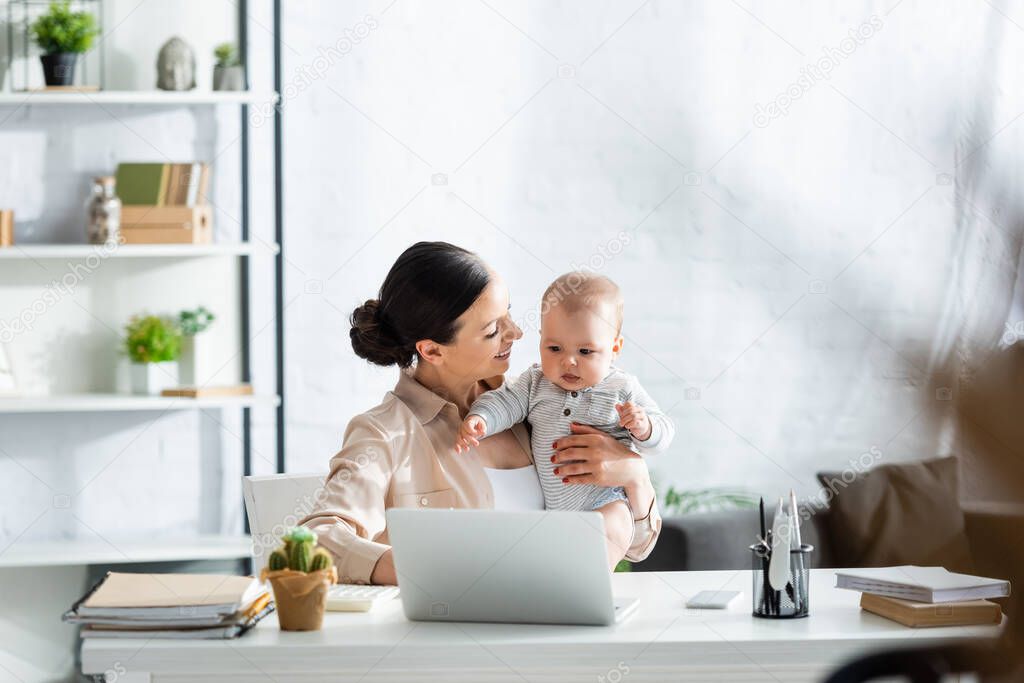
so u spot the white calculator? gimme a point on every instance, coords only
(348, 597)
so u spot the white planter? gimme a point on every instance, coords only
(152, 378)
(228, 78)
(194, 367)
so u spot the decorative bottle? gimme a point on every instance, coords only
(104, 210)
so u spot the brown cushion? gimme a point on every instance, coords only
(906, 513)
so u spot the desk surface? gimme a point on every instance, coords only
(662, 640)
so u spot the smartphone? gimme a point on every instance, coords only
(712, 599)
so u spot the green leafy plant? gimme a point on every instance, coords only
(299, 552)
(62, 30)
(684, 502)
(226, 55)
(152, 339)
(195, 321)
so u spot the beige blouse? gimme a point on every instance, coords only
(401, 454)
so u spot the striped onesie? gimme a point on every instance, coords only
(549, 410)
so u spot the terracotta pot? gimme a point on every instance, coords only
(300, 597)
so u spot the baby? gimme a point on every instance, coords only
(581, 321)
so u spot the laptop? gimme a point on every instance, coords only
(531, 567)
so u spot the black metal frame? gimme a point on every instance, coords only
(245, 275)
(279, 236)
(243, 51)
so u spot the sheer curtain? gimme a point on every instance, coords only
(977, 352)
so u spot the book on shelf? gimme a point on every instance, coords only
(921, 584)
(142, 184)
(142, 605)
(163, 184)
(927, 614)
(209, 392)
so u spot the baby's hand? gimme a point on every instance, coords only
(473, 428)
(634, 418)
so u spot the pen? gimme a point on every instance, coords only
(795, 543)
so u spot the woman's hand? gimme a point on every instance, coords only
(591, 456)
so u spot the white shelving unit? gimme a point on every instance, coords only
(57, 140)
(116, 551)
(112, 403)
(26, 554)
(82, 251)
(147, 97)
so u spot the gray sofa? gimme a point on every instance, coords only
(720, 540)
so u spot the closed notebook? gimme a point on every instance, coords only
(923, 584)
(143, 184)
(924, 614)
(183, 186)
(155, 596)
(231, 629)
(194, 183)
(181, 621)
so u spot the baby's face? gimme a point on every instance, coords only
(577, 349)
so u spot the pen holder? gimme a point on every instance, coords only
(791, 603)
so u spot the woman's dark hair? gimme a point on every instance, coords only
(424, 293)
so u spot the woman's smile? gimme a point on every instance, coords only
(503, 355)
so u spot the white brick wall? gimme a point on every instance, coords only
(791, 273)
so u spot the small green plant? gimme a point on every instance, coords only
(226, 54)
(195, 321)
(61, 30)
(152, 339)
(299, 552)
(678, 502)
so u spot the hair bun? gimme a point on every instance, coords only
(372, 339)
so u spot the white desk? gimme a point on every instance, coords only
(662, 641)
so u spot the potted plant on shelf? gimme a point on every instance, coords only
(192, 323)
(300, 575)
(63, 35)
(153, 344)
(228, 73)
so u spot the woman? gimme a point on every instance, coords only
(442, 316)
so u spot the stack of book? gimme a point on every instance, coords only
(926, 596)
(164, 203)
(158, 184)
(127, 605)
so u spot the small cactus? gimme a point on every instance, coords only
(299, 552)
(300, 534)
(277, 561)
(321, 560)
